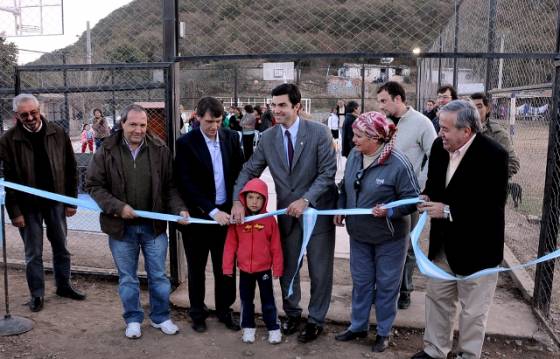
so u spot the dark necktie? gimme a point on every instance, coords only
(290, 149)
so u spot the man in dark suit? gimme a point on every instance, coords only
(465, 197)
(302, 161)
(208, 161)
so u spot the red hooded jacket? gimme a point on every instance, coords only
(257, 243)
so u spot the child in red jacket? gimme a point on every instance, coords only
(257, 246)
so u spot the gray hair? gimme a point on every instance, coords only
(21, 98)
(467, 115)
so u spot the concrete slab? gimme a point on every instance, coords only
(511, 318)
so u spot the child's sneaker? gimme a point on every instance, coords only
(249, 335)
(274, 336)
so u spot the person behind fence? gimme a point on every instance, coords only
(376, 173)
(302, 161)
(415, 137)
(466, 231)
(87, 138)
(100, 127)
(256, 246)
(248, 123)
(445, 94)
(352, 112)
(208, 161)
(39, 154)
(430, 111)
(134, 171)
(267, 120)
(333, 123)
(495, 131)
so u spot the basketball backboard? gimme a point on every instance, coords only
(20, 18)
(278, 71)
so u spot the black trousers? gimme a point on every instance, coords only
(247, 286)
(199, 240)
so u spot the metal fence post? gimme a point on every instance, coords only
(363, 73)
(171, 108)
(491, 40)
(456, 45)
(66, 119)
(548, 238)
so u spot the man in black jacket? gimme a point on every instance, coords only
(465, 197)
(39, 154)
(208, 161)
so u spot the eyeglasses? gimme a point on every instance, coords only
(358, 181)
(33, 113)
(444, 97)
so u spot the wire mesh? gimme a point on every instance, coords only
(109, 91)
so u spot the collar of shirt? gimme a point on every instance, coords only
(294, 128)
(211, 142)
(460, 153)
(136, 151)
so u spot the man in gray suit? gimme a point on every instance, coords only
(302, 160)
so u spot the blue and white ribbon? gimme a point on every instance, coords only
(425, 266)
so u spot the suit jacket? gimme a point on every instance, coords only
(195, 175)
(311, 176)
(476, 196)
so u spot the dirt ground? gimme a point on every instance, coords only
(94, 329)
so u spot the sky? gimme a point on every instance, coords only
(76, 14)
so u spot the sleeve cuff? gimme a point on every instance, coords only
(213, 213)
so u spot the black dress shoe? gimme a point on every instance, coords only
(36, 304)
(290, 325)
(381, 343)
(199, 325)
(309, 333)
(404, 301)
(421, 355)
(349, 335)
(69, 292)
(230, 322)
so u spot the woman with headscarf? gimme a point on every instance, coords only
(376, 173)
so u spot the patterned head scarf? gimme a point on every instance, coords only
(376, 126)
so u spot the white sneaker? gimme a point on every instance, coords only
(249, 335)
(168, 327)
(274, 336)
(133, 330)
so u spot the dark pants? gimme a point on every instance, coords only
(248, 140)
(53, 215)
(334, 134)
(320, 260)
(247, 284)
(98, 142)
(407, 286)
(199, 240)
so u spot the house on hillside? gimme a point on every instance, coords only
(373, 73)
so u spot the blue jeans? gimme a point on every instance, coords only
(378, 266)
(125, 254)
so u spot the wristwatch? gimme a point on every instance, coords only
(447, 213)
(306, 201)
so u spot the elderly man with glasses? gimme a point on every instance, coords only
(39, 154)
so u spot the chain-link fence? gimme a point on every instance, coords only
(69, 98)
(238, 50)
(522, 102)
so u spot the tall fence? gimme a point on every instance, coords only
(335, 50)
